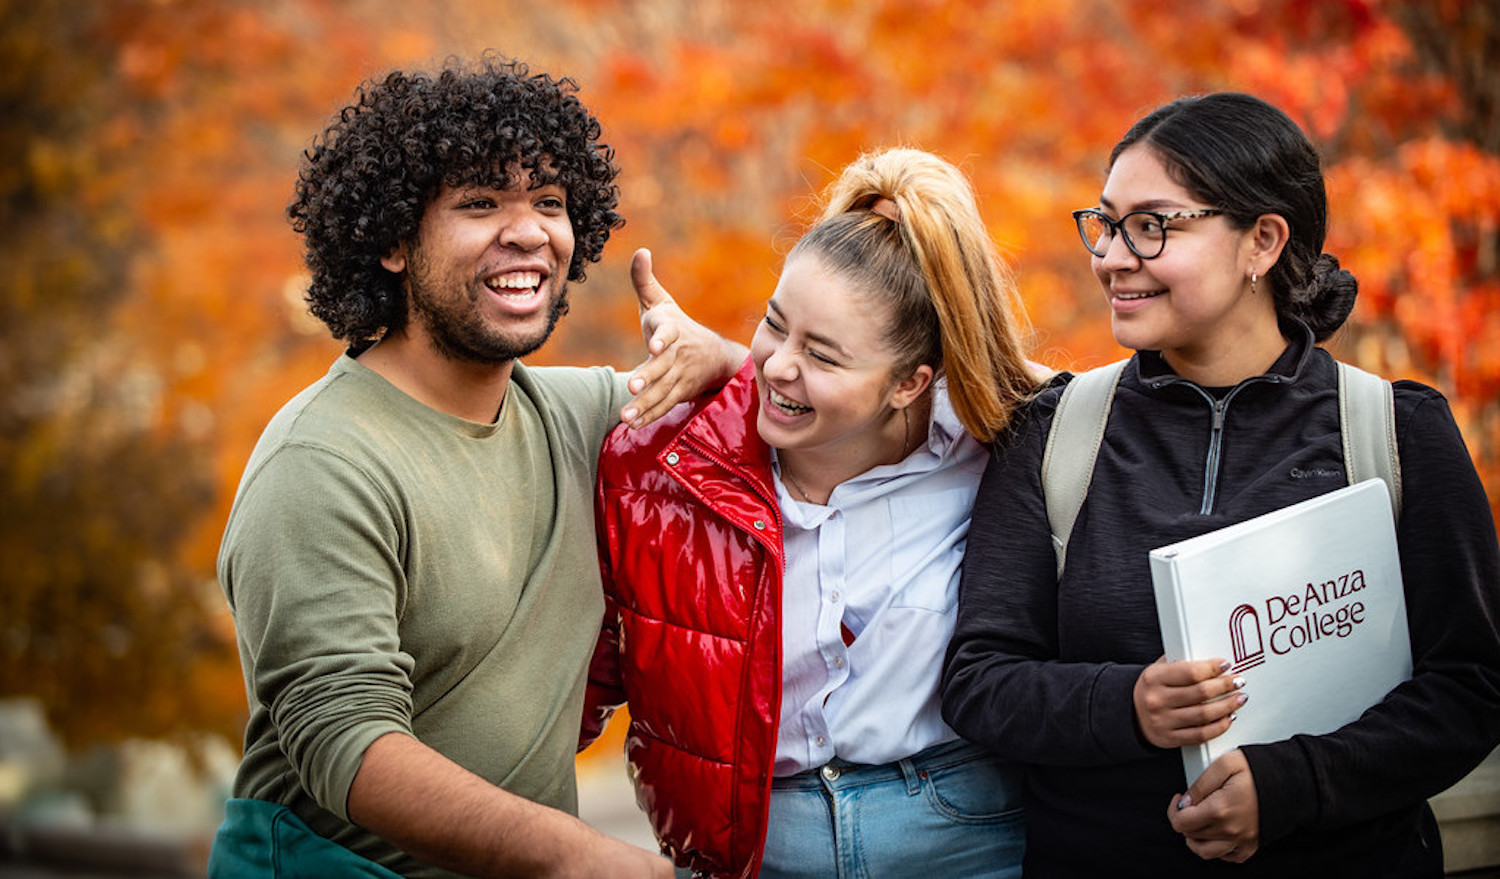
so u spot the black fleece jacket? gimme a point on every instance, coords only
(1042, 672)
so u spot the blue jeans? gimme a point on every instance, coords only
(951, 810)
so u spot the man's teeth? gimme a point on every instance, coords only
(788, 405)
(521, 281)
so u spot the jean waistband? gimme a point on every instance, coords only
(842, 773)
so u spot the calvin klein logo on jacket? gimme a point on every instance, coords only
(1317, 473)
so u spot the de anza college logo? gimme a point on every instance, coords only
(1330, 609)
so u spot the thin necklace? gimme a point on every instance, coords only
(787, 472)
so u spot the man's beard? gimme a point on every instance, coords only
(459, 333)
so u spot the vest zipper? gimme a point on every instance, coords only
(770, 501)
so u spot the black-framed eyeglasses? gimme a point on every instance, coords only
(1145, 231)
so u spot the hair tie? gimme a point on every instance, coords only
(886, 208)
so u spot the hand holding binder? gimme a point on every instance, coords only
(1305, 603)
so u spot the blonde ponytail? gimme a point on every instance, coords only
(906, 223)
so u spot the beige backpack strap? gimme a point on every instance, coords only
(1367, 422)
(1072, 446)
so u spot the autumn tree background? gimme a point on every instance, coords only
(152, 314)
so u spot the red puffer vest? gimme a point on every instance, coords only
(690, 547)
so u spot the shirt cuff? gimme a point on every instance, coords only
(1285, 788)
(1112, 718)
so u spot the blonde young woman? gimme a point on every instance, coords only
(782, 558)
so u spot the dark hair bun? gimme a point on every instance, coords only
(1325, 303)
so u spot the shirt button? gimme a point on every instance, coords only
(760, 524)
(822, 742)
(835, 596)
(831, 772)
(838, 662)
(672, 458)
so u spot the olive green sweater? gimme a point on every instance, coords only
(395, 569)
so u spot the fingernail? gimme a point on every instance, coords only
(1233, 717)
(1239, 683)
(1184, 801)
(1242, 698)
(1224, 666)
(630, 414)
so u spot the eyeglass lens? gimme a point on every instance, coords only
(1145, 234)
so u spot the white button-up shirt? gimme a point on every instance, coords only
(882, 559)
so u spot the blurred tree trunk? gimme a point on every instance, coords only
(1460, 40)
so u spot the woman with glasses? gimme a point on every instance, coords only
(1207, 244)
(782, 558)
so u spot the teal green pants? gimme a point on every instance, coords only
(260, 839)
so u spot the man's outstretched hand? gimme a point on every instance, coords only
(684, 358)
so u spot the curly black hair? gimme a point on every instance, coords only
(365, 183)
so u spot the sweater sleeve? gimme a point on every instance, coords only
(1433, 729)
(311, 566)
(1004, 685)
